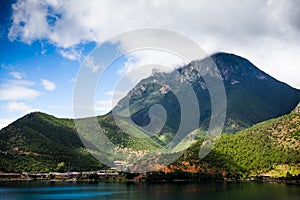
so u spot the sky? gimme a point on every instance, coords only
(43, 44)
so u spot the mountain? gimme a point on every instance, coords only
(252, 95)
(271, 148)
(38, 142)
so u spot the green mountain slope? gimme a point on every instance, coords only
(256, 150)
(38, 142)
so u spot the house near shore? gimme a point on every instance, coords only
(11, 175)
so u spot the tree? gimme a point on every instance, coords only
(61, 167)
(93, 176)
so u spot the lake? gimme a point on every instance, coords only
(174, 191)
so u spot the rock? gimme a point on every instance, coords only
(297, 109)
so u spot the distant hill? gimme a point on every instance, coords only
(39, 142)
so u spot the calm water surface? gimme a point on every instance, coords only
(207, 190)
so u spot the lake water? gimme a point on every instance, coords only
(174, 191)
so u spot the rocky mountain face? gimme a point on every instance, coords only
(297, 109)
(252, 96)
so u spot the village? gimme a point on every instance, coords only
(111, 173)
(65, 176)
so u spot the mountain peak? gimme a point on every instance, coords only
(36, 114)
(233, 67)
(252, 95)
(230, 67)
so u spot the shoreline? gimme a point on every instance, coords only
(127, 181)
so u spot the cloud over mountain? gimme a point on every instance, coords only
(267, 32)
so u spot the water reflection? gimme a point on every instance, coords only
(176, 191)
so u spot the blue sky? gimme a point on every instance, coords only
(43, 44)
(36, 76)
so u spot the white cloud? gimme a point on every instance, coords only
(103, 106)
(17, 75)
(48, 85)
(4, 122)
(90, 63)
(18, 107)
(100, 107)
(70, 54)
(29, 26)
(242, 28)
(100, 20)
(115, 96)
(115, 93)
(18, 90)
(141, 64)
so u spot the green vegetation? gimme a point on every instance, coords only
(39, 142)
(285, 170)
(261, 149)
(61, 167)
(124, 140)
(42, 143)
